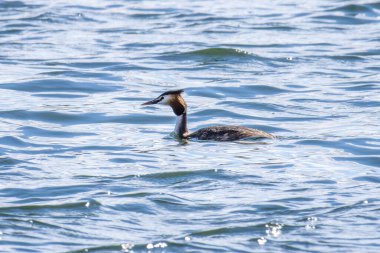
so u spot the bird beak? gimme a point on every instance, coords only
(152, 102)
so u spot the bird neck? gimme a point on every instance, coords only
(181, 126)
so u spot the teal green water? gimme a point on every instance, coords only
(85, 168)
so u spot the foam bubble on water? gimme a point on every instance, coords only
(261, 241)
(365, 202)
(160, 245)
(274, 229)
(157, 245)
(312, 219)
(87, 204)
(187, 238)
(289, 58)
(311, 223)
(126, 247)
(241, 51)
(109, 193)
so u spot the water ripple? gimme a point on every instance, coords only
(57, 85)
(85, 168)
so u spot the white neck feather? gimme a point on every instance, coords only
(181, 126)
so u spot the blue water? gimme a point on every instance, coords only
(85, 168)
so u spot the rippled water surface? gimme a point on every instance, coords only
(85, 168)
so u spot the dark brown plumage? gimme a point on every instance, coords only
(228, 133)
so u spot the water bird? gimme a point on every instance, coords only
(174, 99)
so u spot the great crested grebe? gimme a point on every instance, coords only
(217, 133)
